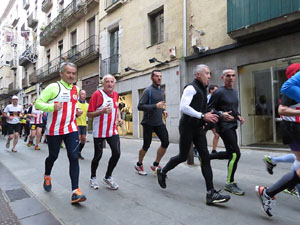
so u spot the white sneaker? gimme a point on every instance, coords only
(93, 183)
(140, 170)
(111, 184)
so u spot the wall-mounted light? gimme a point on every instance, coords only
(153, 60)
(127, 69)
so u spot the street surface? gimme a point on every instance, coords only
(139, 200)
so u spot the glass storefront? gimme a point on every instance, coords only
(260, 86)
(125, 106)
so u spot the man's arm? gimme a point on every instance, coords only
(144, 102)
(49, 93)
(186, 100)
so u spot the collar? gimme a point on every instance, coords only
(69, 86)
(81, 101)
(157, 87)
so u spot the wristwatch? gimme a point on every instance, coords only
(202, 116)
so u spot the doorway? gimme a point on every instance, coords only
(260, 86)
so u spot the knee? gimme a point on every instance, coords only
(145, 148)
(165, 144)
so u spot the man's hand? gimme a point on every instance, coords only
(241, 119)
(78, 112)
(119, 122)
(227, 117)
(106, 110)
(161, 105)
(166, 114)
(211, 117)
(57, 106)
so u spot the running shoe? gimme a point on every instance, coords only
(213, 151)
(93, 183)
(266, 200)
(234, 189)
(291, 191)
(29, 144)
(47, 183)
(77, 196)
(140, 170)
(214, 196)
(269, 164)
(7, 144)
(37, 147)
(111, 184)
(161, 178)
(153, 168)
(14, 150)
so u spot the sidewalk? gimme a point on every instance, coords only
(18, 206)
(139, 200)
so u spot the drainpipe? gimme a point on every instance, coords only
(184, 28)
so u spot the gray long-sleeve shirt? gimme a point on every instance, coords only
(152, 115)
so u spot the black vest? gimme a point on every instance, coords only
(199, 103)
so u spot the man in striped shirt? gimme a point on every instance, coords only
(60, 101)
(104, 109)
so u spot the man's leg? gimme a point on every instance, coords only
(16, 138)
(147, 134)
(162, 133)
(215, 140)
(82, 139)
(98, 150)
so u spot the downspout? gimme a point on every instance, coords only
(184, 28)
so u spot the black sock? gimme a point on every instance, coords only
(288, 180)
(139, 164)
(81, 145)
(155, 163)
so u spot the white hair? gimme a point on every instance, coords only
(199, 68)
(226, 71)
(108, 76)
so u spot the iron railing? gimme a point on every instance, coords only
(46, 5)
(110, 65)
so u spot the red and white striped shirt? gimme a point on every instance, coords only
(104, 125)
(295, 119)
(63, 121)
(39, 116)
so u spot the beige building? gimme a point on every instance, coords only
(137, 37)
(69, 33)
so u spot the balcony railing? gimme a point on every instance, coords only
(12, 88)
(32, 20)
(87, 51)
(32, 78)
(112, 5)
(76, 10)
(46, 5)
(23, 61)
(52, 30)
(110, 65)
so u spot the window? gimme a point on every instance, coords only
(1, 83)
(49, 18)
(48, 55)
(60, 6)
(157, 26)
(60, 46)
(114, 51)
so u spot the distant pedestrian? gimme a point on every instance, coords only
(153, 104)
(59, 99)
(104, 109)
(82, 121)
(13, 112)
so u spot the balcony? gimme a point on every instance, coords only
(46, 5)
(87, 51)
(12, 89)
(247, 19)
(28, 56)
(25, 4)
(25, 83)
(75, 11)
(112, 5)
(32, 20)
(110, 65)
(32, 78)
(49, 71)
(52, 30)
(3, 93)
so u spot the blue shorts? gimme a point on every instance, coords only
(82, 130)
(295, 146)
